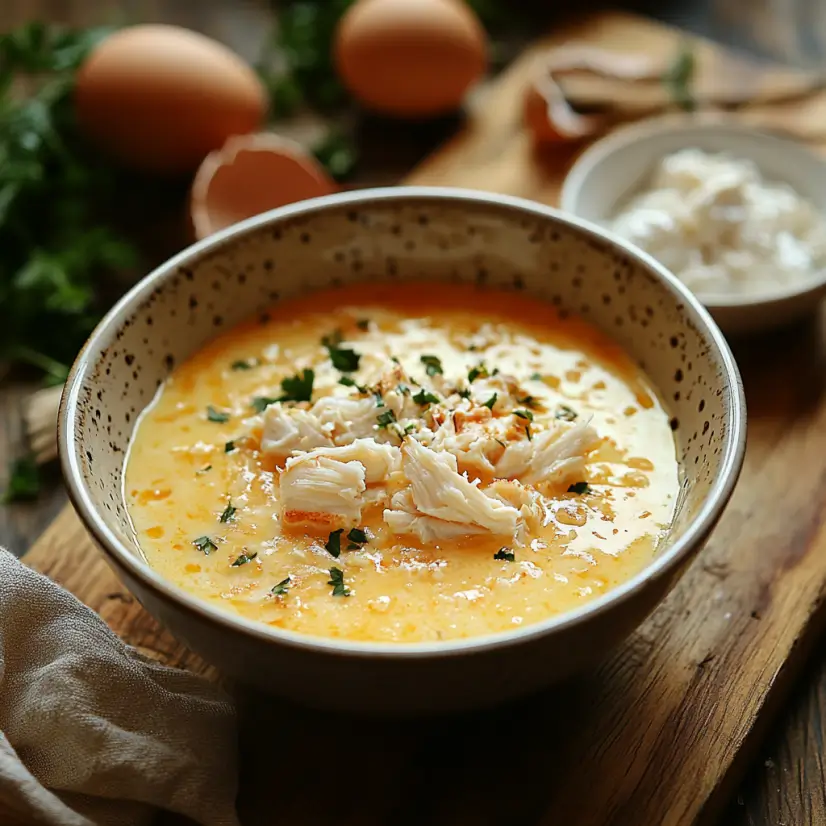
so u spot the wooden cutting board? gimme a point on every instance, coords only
(660, 732)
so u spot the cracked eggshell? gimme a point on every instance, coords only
(252, 174)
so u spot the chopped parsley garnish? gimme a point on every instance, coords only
(229, 512)
(261, 403)
(298, 388)
(333, 543)
(403, 389)
(566, 413)
(394, 360)
(524, 414)
(358, 536)
(205, 545)
(536, 377)
(432, 365)
(244, 559)
(528, 432)
(229, 447)
(204, 469)
(491, 401)
(465, 394)
(344, 359)
(579, 487)
(363, 324)
(480, 371)
(386, 418)
(281, 589)
(401, 432)
(217, 415)
(378, 398)
(423, 397)
(505, 554)
(349, 382)
(244, 364)
(337, 581)
(529, 401)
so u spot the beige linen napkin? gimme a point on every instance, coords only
(90, 731)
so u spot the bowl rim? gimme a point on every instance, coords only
(70, 449)
(652, 129)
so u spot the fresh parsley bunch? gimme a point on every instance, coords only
(54, 246)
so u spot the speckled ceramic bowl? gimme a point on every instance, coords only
(399, 234)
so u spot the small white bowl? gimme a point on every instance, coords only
(618, 165)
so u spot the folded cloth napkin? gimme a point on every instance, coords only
(93, 733)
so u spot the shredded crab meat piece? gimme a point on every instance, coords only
(380, 461)
(473, 436)
(528, 501)
(290, 429)
(320, 492)
(553, 455)
(438, 490)
(404, 518)
(348, 419)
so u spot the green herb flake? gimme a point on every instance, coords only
(480, 371)
(679, 77)
(205, 545)
(298, 388)
(524, 414)
(505, 554)
(344, 359)
(432, 364)
(529, 401)
(379, 399)
(423, 397)
(358, 536)
(528, 432)
(565, 413)
(347, 381)
(204, 469)
(337, 581)
(229, 447)
(403, 389)
(244, 364)
(229, 513)
(579, 488)
(218, 416)
(491, 401)
(465, 394)
(281, 589)
(536, 377)
(385, 419)
(243, 559)
(333, 543)
(24, 481)
(363, 324)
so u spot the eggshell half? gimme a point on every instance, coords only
(160, 98)
(252, 174)
(410, 58)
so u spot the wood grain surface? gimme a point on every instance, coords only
(660, 733)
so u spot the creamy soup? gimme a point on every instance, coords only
(403, 463)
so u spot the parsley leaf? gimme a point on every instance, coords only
(424, 397)
(465, 394)
(566, 413)
(363, 324)
(218, 416)
(524, 414)
(24, 481)
(229, 513)
(244, 364)
(204, 469)
(261, 403)
(536, 377)
(491, 401)
(386, 418)
(243, 559)
(282, 587)
(337, 581)
(205, 545)
(333, 543)
(229, 447)
(432, 364)
(358, 536)
(579, 487)
(505, 554)
(477, 372)
(529, 401)
(344, 359)
(349, 382)
(298, 388)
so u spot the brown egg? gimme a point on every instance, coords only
(160, 98)
(410, 58)
(252, 174)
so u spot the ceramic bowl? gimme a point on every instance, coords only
(394, 235)
(617, 166)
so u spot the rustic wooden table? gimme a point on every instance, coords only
(788, 784)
